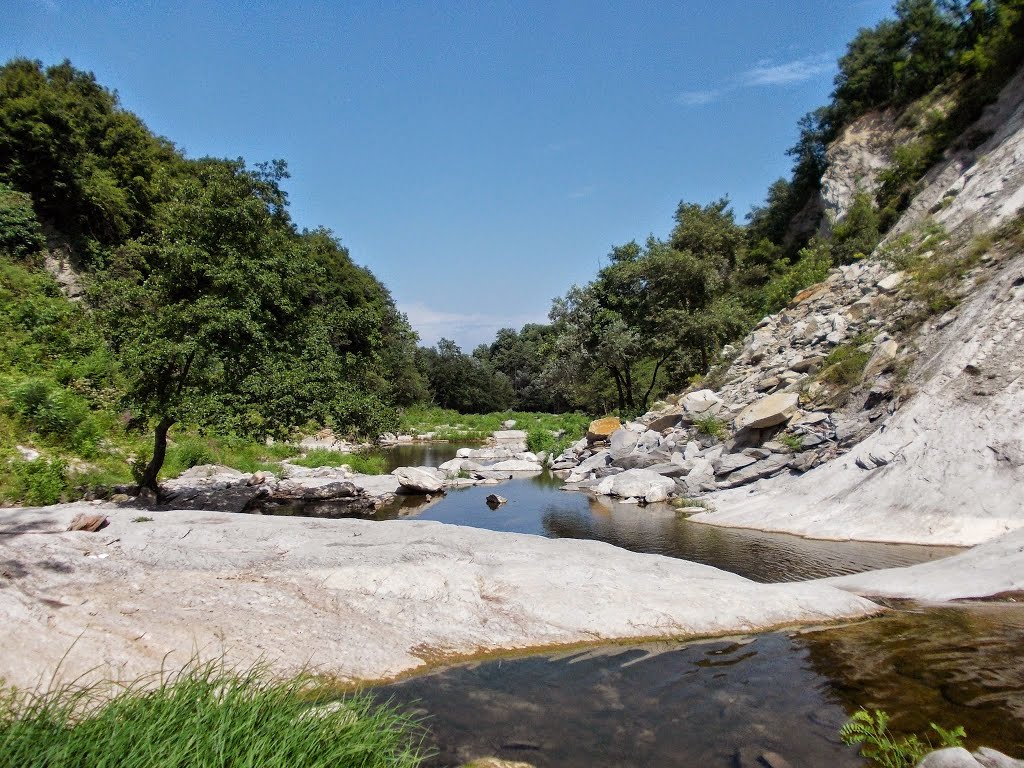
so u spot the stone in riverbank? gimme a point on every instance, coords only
(419, 479)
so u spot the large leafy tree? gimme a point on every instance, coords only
(191, 309)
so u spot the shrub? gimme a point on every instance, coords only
(20, 233)
(812, 267)
(711, 426)
(363, 463)
(38, 483)
(878, 744)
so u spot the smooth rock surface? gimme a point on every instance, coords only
(991, 568)
(356, 599)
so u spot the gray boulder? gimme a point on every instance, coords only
(768, 411)
(637, 484)
(419, 479)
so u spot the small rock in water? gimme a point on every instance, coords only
(494, 501)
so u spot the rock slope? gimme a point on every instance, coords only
(855, 414)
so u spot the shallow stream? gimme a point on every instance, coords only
(728, 702)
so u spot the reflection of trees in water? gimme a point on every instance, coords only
(951, 666)
(711, 704)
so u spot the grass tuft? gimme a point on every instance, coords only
(207, 715)
(363, 463)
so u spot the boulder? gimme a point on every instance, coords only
(636, 461)
(494, 500)
(881, 360)
(624, 440)
(703, 402)
(514, 465)
(296, 489)
(732, 462)
(638, 484)
(761, 469)
(892, 282)
(602, 429)
(958, 757)
(513, 439)
(768, 411)
(419, 479)
(665, 421)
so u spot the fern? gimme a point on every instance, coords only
(879, 745)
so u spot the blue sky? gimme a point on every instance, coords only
(479, 157)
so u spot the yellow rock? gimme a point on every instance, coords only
(601, 429)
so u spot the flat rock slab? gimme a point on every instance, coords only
(988, 569)
(356, 599)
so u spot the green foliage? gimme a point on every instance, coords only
(856, 235)
(901, 180)
(190, 449)
(878, 744)
(55, 414)
(464, 383)
(793, 442)
(711, 426)
(207, 715)
(844, 365)
(20, 234)
(363, 463)
(811, 267)
(37, 483)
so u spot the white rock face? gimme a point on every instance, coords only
(638, 484)
(953, 468)
(356, 599)
(987, 569)
(419, 479)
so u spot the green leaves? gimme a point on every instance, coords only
(883, 748)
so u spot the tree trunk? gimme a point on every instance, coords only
(630, 403)
(654, 380)
(159, 454)
(618, 386)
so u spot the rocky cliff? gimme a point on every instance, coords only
(885, 403)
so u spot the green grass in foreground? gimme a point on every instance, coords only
(363, 463)
(208, 716)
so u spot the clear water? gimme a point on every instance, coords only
(536, 505)
(728, 702)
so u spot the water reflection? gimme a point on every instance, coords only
(713, 704)
(726, 703)
(950, 665)
(537, 506)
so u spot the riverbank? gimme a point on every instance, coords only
(362, 600)
(358, 600)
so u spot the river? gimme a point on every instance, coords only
(733, 702)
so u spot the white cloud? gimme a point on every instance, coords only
(698, 98)
(467, 329)
(763, 74)
(796, 71)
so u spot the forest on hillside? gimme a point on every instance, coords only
(200, 306)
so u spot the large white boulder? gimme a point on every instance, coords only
(419, 479)
(637, 484)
